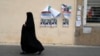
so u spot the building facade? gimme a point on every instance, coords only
(13, 16)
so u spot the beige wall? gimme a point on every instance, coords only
(13, 15)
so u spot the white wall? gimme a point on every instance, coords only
(13, 15)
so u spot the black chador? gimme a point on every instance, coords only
(29, 42)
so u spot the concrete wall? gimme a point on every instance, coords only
(13, 15)
(92, 38)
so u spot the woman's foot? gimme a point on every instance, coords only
(39, 52)
(23, 53)
(27, 52)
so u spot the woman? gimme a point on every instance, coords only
(29, 42)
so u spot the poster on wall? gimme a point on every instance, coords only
(87, 30)
(45, 18)
(78, 23)
(66, 11)
(65, 22)
(78, 18)
(49, 17)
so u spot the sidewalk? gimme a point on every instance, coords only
(14, 50)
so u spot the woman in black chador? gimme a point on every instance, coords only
(29, 42)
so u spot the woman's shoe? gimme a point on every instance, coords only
(39, 52)
(23, 53)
